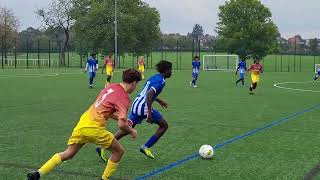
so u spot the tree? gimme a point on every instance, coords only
(9, 25)
(58, 16)
(138, 26)
(245, 28)
(314, 46)
(197, 32)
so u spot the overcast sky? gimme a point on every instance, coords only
(291, 16)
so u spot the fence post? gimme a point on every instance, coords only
(289, 64)
(281, 62)
(199, 46)
(27, 53)
(49, 53)
(300, 62)
(314, 61)
(38, 53)
(295, 53)
(180, 54)
(192, 48)
(59, 60)
(2, 52)
(151, 67)
(68, 59)
(162, 47)
(15, 53)
(177, 54)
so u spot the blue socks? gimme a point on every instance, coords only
(90, 81)
(153, 139)
(194, 82)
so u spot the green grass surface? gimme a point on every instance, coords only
(272, 63)
(39, 113)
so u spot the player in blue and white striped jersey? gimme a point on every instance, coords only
(92, 66)
(317, 75)
(242, 68)
(142, 109)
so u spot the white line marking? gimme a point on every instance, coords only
(277, 85)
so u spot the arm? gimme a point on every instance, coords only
(97, 67)
(124, 126)
(86, 68)
(162, 103)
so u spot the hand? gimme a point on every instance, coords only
(163, 104)
(134, 133)
(149, 117)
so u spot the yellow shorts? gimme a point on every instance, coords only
(109, 72)
(97, 135)
(141, 68)
(255, 78)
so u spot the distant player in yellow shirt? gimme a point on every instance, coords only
(108, 67)
(256, 69)
(112, 102)
(141, 66)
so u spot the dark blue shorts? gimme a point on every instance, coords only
(242, 75)
(136, 119)
(92, 74)
(195, 75)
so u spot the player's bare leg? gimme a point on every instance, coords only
(117, 152)
(57, 159)
(108, 80)
(102, 152)
(163, 127)
(253, 87)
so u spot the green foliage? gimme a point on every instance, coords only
(138, 25)
(245, 28)
(197, 31)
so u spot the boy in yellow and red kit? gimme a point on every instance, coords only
(141, 66)
(256, 69)
(112, 102)
(108, 67)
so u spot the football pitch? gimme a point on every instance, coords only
(273, 134)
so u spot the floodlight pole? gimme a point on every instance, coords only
(115, 33)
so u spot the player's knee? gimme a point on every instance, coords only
(164, 126)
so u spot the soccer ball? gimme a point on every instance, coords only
(206, 151)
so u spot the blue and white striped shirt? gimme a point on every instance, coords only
(196, 66)
(139, 106)
(92, 65)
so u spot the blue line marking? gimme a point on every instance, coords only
(221, 145)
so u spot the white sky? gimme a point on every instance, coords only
(178, 16)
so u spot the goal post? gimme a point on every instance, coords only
(220, 62)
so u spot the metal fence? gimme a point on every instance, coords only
(36, 54)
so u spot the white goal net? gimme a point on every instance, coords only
(316, 67)
(31, 62)
(220, 62)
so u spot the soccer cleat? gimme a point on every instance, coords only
(102, 153)
(146, 151)
(34, 175)
(251, 92)
(195, 86)
(90, 86)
